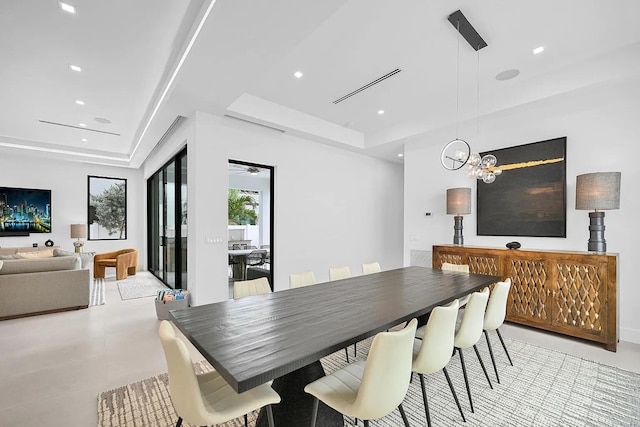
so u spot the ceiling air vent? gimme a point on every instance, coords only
(368, 85)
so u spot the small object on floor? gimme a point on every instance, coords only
(513, 245)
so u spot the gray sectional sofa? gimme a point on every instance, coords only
(41, 285)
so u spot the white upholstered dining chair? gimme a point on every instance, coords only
(297, 280)
(206, 399)
(469, 331)
(372, 267)
(337, 273)
(370, 389)
(494, 318)
(463, 268)
(432, 353)
(248, 288)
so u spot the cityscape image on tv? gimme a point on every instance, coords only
(25, 210)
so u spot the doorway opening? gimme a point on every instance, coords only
(167, 222)
(250, 222)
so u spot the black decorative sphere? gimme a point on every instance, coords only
(513, 245)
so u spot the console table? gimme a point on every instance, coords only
(572, 293)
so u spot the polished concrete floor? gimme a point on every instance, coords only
(53, 367)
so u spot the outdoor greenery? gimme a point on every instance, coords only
(242, 208)
(110, 209)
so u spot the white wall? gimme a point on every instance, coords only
(68, 184)
(602, 127)
(332, 207)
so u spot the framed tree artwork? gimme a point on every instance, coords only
(107, 215)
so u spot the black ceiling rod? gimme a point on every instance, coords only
(462, 24)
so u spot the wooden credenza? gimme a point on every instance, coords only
(572, 293)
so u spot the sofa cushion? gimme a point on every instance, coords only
(1, 265)
(86, 258)
(3, 257)
(47, 253)
(35, 265)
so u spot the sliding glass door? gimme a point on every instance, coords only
(167, 222)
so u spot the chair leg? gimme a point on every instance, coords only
(366, 423)
(404, 416)
(504, 346)
(246, 424)
(453, 391)
(346, 352)
(270, 415)
(466, 379)
(179, 423)
(483, 368)
(314, 412)
(354, 349)
(493, 360)
(424, 399)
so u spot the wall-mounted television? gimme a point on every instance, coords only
(24, 211)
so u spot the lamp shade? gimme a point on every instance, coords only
(598, 191)
(78, 231)
(458, 201)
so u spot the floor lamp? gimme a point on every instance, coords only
(458, 204)
(598, 191)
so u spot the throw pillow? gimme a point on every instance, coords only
(86, 258)
(47, 253)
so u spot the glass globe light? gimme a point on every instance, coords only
(497, 172)
(489, 161)
(489, 178)
(474, 159)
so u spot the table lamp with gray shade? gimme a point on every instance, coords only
(458, 204)
(78, 231)
(598, 191)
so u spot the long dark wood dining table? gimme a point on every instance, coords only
(283, 335)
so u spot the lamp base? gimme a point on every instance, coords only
(597, 243)
(458, 239)
(78, 246)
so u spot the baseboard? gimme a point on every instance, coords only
(630, 335)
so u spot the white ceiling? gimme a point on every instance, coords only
(242, 62)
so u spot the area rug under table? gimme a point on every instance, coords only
(543, 388)
(142, 285)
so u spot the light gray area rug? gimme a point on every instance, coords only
(142, 285)
(543, 388)
(96, 292)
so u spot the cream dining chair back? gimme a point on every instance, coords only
(370, 389)
(207, 399)
(434, 351)
(494, 318)
(248, 288)
(297, 280)
(337, 273)
(463, 268)
(469, 331)
(372, 267)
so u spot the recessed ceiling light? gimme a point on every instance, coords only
(75, 68)
(82, 125)
(67, 7)
(84, 139)
(538, 50)
(380, 112)
(400, 155)
(79, 102)
(102, 120)
(507, 75)
(298, 74)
